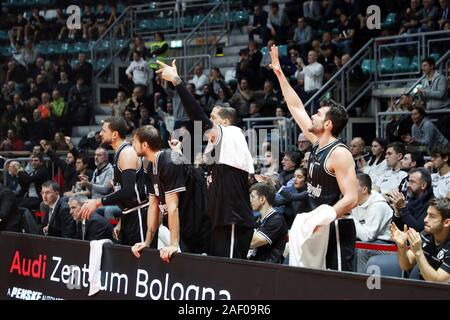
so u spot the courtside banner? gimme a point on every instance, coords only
(44, 268)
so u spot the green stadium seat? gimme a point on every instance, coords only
(386, 65)
(415, 64)
(282, 50)
(401, 64)
(368, 66)
(435, 56)
(119, 44)
(390, 20)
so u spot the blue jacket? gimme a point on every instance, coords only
(414, 212)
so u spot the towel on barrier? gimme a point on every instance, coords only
(95, 261)
(313, 254)
(163, 237)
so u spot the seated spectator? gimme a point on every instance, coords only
(327, 51)
(434, 86)
(410, 161)
(289, 163)
(119, 104)
(423, 131)
(377, 165)
(347, 31)
(84, 173)
(373, 214)
(444, 14)
(94, 228)
(12, 142)
(84, 69)
(58, 110)
(271, 100)
(259, 25)
(16, 33)
(59, 142)
(313, 74)
(430, 250)
(391, 178)
(100, 20)
(277, 22)
(412, 209)
(440, 157)
(10, 217)
(303, 35)
(12, 180)
(64, 85)
(199, 79)
(357, 148)
(399, 125)
(304, 145)
(79, 103)
(427, 16)
(269, 166)
(100, 184)
(31, 183)
(34, 26)
(87, 21)
(409, 21)
(57, 220)
(269, 238)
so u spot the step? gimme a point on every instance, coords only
(81, 131)
(232, 50)
(99, 119)
(76, 140)
(103, 110)
(238, 40)
(226, 61)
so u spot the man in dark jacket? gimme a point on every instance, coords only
(9, 211)
(94, 228)
(57, 221)
(413, 211)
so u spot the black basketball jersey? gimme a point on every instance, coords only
(322, 185)
(140, 196)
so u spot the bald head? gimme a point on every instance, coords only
(357, 146)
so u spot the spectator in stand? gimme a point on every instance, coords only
(60, 143)
(427, 16)
(277, 23)
(18, 28)
(84, 69)
(410, 161)
(409, 19)
(434, 86)
(112, 18)
(412, 209)
(67, 166)
(357, 148)
(79, 103)
(12, 142)
(245, 90)
(254, 61)
(269, 237)
(119, 104)
(400, 125)
(313, 74)
(64, 85)
(428, 249)
(423, 131)
(303, 144)
(139, 71)
(207, 101)
(311, 9)
(347, 31)
(31, 183)
(100, 20)
(377, 164)
(291, 161)
(138, 45)
(271, 100)
(81, 167)
(58, 110)
(38, 129)
(131, 124)
(199, 79)
(87, 21)
(392, 177)
(16, 73)
(440, 157)
(327, 51)
(29, 53)
(444, 14)
(373, 215)
(259, 24)
(10, 217)
(34, 26)
(303, 35)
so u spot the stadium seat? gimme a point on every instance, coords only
(387, 264)
(435, 56)
(386, 65)
(390, 20)
(282, 49)
(3, 35)
(401, 64)
(415, 64)
(368, 66)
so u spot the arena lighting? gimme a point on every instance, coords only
(176, 43)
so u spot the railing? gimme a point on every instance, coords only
(367, 67)
(381, 121)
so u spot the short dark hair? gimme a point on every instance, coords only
(228, 113)
(442, 205)
(150, 135)
(295, 156)
(365, 181)
(137, 52)
(338, 116)
(51, 185)
(430, 61)
(417, 158)
(117, 124)
(266, 190)
(398, 147)
(274, 5)
(424, 175)
(441, 150)
(84, 158)
(421, 110)
(39, 156)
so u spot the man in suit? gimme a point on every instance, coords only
(9, 211)
(57, 221)
(94, 228)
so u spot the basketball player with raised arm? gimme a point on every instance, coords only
(331, 173)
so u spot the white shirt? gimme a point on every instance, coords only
(441, 184)
(140, 72)
(313, 75)
(376, 170)
(199, 82)
(390, 180)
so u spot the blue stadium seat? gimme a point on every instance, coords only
(386, 65)
(401, 64)
(390, 20)
(435, 56)
(282, 50)
(368, 66)
(415, 64)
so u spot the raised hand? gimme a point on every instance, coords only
(400, 237)
(275, 65)
(414, 241)
(168, 73)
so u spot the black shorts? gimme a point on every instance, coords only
(231, 241)
(133, 227)
(341, 245)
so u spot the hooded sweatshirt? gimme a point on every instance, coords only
(372, 218)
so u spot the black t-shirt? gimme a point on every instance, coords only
(437, 256)
(101, 17)
(274, 229)
(87, 18)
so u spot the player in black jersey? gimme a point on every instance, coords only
(229, 165)
(130, 185)
(331, 171)
(175, 191)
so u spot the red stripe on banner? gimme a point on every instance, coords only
(376, 246)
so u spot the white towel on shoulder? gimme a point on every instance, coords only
(95, 261)
(306, 247)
